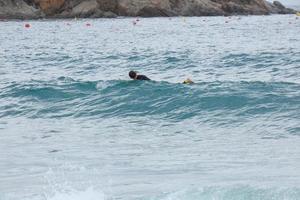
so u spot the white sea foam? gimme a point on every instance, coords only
(88, 194)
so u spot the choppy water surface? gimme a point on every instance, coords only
(74, 127)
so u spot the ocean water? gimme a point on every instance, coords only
(74, 127)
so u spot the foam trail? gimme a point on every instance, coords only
(88, 194)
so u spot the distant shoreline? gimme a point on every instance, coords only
(123, 17)
(62, 9)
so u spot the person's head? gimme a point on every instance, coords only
(132, 74)
(188, 81)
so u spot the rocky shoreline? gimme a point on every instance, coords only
(35, 9)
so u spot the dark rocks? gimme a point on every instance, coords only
(108, 5)
(102, 14)
(278, 5)
(280, 9)
(18, 10)
(154, 12)
(94, 9)
(109, 14)
(202, 8)
(28, 9)
(252, 8)
(85, 9)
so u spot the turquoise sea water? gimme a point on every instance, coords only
(74, 127)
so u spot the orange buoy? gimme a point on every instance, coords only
(27, 25)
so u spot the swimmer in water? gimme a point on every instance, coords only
(133, 75)
(188, 81)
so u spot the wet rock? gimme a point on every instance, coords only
(100, 13)
(85, 9)
(97, 14)
(109, 14)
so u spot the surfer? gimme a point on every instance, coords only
(188, 81)
(135, 76)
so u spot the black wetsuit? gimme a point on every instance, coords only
(142, 77)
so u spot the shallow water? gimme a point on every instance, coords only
(74, 127)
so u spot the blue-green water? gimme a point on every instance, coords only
(74, 127)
